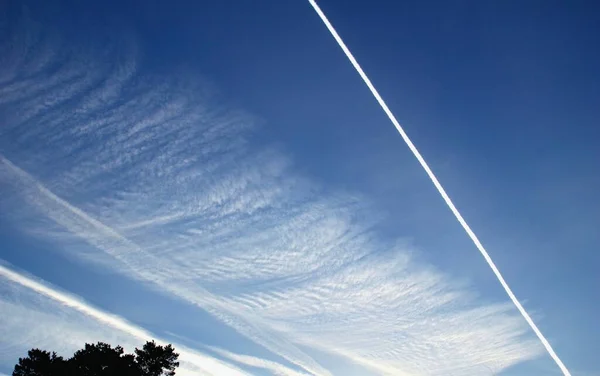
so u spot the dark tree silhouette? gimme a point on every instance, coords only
(101, 359)
(156, 360)
(40, 363)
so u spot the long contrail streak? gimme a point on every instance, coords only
(208, 364)
(440, 189)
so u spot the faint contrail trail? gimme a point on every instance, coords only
(206, 363)
(440, 189)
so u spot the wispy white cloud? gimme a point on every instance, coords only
(165, 187)
(37, 315)
(275, 367)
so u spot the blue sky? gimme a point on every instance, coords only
(217, 176)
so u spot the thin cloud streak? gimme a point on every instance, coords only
(441, 191)
(277, 368)
(187, 356)
(193, 361)
(135, 262)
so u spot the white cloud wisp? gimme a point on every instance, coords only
(164, 186)
(68, 322)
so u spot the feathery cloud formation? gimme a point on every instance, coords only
(164, 186)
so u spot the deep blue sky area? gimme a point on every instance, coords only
(264, 239)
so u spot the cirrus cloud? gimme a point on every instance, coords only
(165, 186)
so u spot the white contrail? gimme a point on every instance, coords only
(206, 363)
(440, 189)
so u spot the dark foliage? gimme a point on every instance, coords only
(40, 363)
(101, 359)
(155, 360)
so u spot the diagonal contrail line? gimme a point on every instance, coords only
(440, 189)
